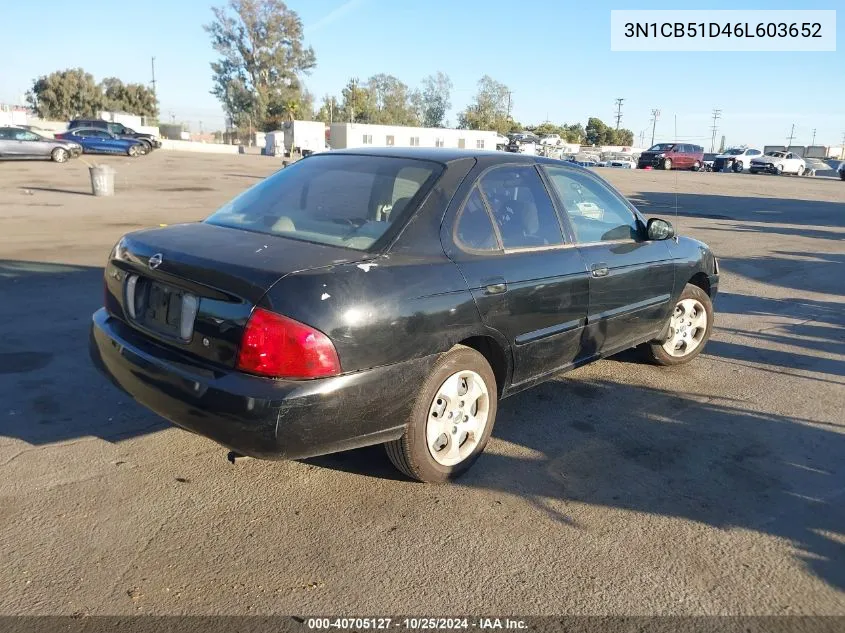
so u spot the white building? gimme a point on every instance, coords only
(346, 135)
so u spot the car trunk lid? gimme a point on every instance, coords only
(193, 286)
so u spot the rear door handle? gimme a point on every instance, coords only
(599, 270)
(495, 285)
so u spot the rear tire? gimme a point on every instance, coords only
(691, 325)
(451, 421)
(59, 155)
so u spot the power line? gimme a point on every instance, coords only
(717, 114)
(618, 112)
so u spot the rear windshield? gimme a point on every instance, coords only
(341, 200)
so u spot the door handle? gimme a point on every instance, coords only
(599, 270)
(495, 285)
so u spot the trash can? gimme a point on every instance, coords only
(102, 180)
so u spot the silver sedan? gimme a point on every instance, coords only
(17, 143)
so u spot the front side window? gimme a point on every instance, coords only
(521, 207)
(346, 201)
(595, 212)
(474, 229)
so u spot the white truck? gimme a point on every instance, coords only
(297, 137)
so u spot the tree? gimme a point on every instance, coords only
(391, 101)
(130, 98)
(597, 133)
(358, 103)
(434, 100)
(262, 58)
(623, 137)
(489, 111)
(329, 110)
(65, 94)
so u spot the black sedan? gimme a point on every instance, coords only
(393, 296)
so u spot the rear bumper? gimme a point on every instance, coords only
(258, 417)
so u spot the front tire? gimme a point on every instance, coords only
(667, 164)
(696, 166)
(451, 421)
(690, 326)
(738, 167)
(779, 170)
(59, 155)
(134, 151)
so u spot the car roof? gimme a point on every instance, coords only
(434, 154)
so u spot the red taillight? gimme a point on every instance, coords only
(274, 345)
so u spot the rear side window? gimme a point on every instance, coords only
(521, 207)
(341, 200)
(474, 228)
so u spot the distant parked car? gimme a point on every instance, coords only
(736, 159)
(841, 170)
(95, 141)
(624, 162)
(17, 143)
(778, 163)
(501, 142)
(523, 144)
(149, 141)
(551, 139)
(673, 156)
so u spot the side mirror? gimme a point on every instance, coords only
(659, 229)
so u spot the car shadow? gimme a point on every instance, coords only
(49, 390)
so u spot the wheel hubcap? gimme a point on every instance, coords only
(687, 328)
(457, 418)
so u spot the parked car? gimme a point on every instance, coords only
(17, 143)
(393, 296)
(736, 159)
(776, 162)
(841, 170)
(95, 141)
(501, 142)
(624, 162)
(149, 141)
(523, 143)
(672, 156)
(551, 139)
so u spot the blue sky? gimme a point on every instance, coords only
(554, 55)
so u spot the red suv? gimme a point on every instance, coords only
(672, 156)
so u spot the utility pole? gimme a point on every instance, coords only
(654, 114)
(791, 136)
(813, 142)
(842, 152)
(153, 82)
(509, 104)
(716, 116)
(352, 105)
(618, 112)
(331, 110)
